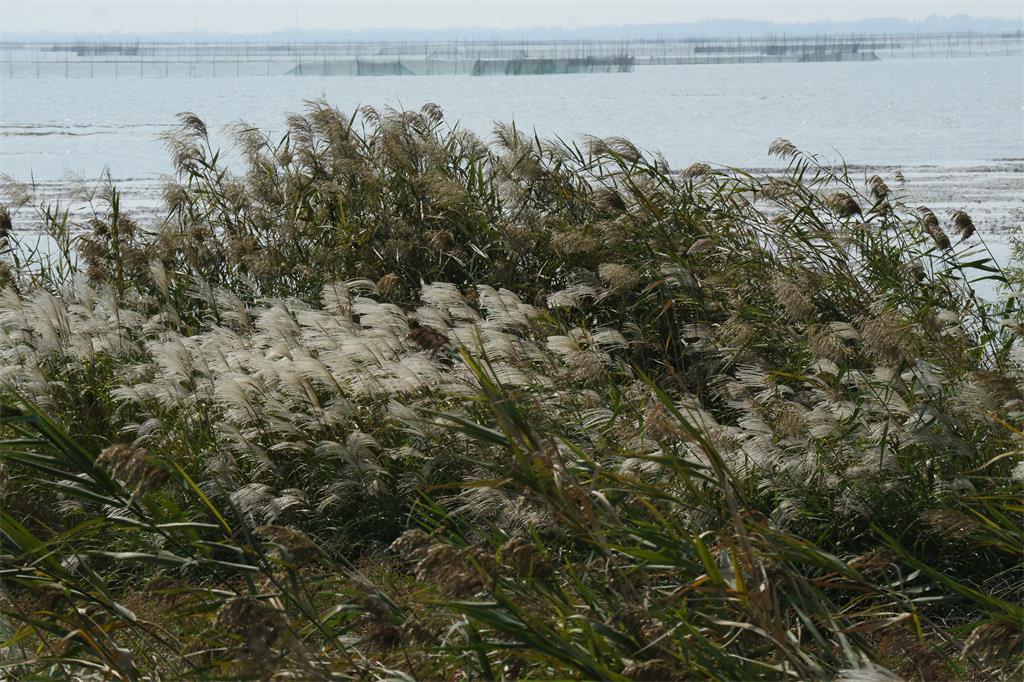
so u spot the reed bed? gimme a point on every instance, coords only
(401, 403)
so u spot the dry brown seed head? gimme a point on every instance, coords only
(701, 246)
(588, 366)
(450, 570)
(735, 332)
(931, 226)
(525, 558)
(370, 114)
(412, 545)
(776, 189)
(99, 228)
(5, 222)
(284, 157)
(432, 112)
(782, 148)
(296, 543)
(132, 467)
(609, 199)
(258, 623)
(617, 276)
(962, 223)
(823, 343)
(941, 239)
(950, 523)
(387, 283)
(885, 337)
(793, 297)
(696, 170)
(418, 630)
(519, 237)
(192, 123)
(897, 643)
(427, 338)
(994, 642)
(928, 216)
(842, 204)
(875, 562)
(95, 272)
(198, 234)
(438, 239)
(1001, 389)
(383, 636)
(789, 420)
(47, 598)
(573, 242)
(879, 190)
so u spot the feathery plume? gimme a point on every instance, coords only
(879, 190)
(132, 467)
(962, 223)
(782, 148)
(696, 170)
(931, 226)
(842, 204)
(618, 277)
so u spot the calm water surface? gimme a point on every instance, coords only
(900, 112)
(951, 115)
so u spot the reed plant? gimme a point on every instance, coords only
(395, 402)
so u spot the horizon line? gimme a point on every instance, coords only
(632, 27)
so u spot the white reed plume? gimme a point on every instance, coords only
(572, 296)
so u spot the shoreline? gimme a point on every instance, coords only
(992, 192)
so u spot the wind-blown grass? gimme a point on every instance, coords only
(398, 403)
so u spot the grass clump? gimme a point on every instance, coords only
(398, 403)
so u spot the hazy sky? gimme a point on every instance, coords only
(245, 16)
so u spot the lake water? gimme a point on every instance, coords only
(936, 117)
(899, 112)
